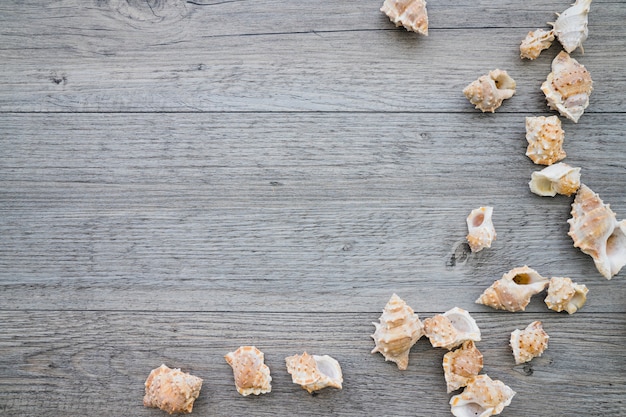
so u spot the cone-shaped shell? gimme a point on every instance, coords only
(408, 13)
(482, 397)
(171, 390)
(512, 292)
(545, 139)
(535, 42)
(571, 26)
(452, 328)
(480, 228)
(529, 343)
(314, 372)
(252, 376)
(489, 91)
(563, 294)
(462, 364)
(556, 179)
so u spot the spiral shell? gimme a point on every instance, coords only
(489, 91)
(545, 139)
(563, 294)
(556, 179)
(529, 343)
(513, 291)
(408, 13)
(535, 42)
(460, 365)
(451, 328)
(171, 390)
(571, 25)
(314, 372)
(482, 397)
(480, 228)
(252, 376)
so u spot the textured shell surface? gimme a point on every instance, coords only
(567, 87)
(314, 372)
(529, 343)
(545, 139)
(481, 232)
(399, 329)
(556, 179)
(411, 14)
(535, 42)
(564, 294)
(571, 26)
(462, 364)
(452, 328)
(513, 291)
(252, 376)
(596, 231)
(171, 390)
(482, 397)
(489, 91)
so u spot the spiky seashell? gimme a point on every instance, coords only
(545, 139)
(252, 376)
(314, 372)
(408, 13)
(489, 91)
(596, 231)
(564, 294)
(482, 397)
(535, 42)
(556, 179)
(171, 390)
(399, 329)
(512, 292)
(460, 365)
(571, 25)
(480, 228)
(452, 328)
(529, 343)
(568, 87)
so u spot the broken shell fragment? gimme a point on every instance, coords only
(545, 139)
(482, 397)
(535, 42)
(571, 25)
(314, 372)
(563, 294)
(489, 91)
(513, 291)
(480, 227)
(451, 328)
(556, 179)
(171, 390)
(252, 376)
(460, 365)
(408, 13)
(528, 343)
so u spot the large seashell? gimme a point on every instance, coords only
(535, 42)
(563, 294)
(480, 227)
(451, 328)
(556, 179)
(460, 365)
(568, 87)
(571, 25)
(529, 343)
(596, 231)
(545, 139)
(408, 13)
(488, 91)
(171, 390)
(252, 376)
(482, 397)
(314, 372)
(512, 292)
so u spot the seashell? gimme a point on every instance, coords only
(535, 42)
(563, 294)
(460, 365)
(512, 292)
(545, 139)
(399, 329)
(252, 376)
(529, 343)
(488, 91)
(571, 26)
(314, 372)
(482, 397)
(171, 390)
(596, 231)
(451, 328)
(568, 87)
(556, 179)
(480, 227)
(408, 13)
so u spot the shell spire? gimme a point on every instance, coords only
(314, 372)
(545, 139)
(489, 91)
(171, 390)
(571, 26)
(529, 343)
(513, 291)
(556, 179)
(408, 13)
(563, 294)
(452, 328)
(480, 228)
(252, 376)
(482, 397)
(460, 365)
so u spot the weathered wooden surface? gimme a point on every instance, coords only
(178, 179)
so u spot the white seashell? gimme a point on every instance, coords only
(482, 397)
(489, 91)
(535, 42)
(408, 13)
(571, 25)
(480, 227)
(314, 372)
(528, 343)
(513, 291)
(563, 294)
(596, 231)
(171, 390)
(460, 365)
(556, 179)
(252, 376)
(545, 139)
(451, 328)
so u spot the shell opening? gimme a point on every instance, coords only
(616, 249)
(470, 409)
(478, 220)
(523, 279)
(326, 368)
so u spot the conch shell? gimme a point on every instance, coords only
(252, 376)
(563, 294)
(460, 365)
(451, 328)
(512, 292)
(596, 231)
(171, 390)
(571, 25)
(408, 13)
(529, 343)
(399, 329)
(545, 139)
(480, 227)
(568, 87)
(556, 179)
(482, 397)
(489, 91)
(314, 372)
(535, 42)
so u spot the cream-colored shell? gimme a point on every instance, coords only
(513, 291)
(252, 376)
(535, 42)
(408, 13)
(171, 390)
(545, 139)
(596, 231)
(483, 397)
(462, 364)
(556, 179)
(480, 228)
(564, 294)
(314, 372)
(489, 91)
(571, 25)
(452, 328)
(528, 343)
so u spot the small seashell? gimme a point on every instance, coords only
(512, 292)
(529, 343)
(460, 365)
(451, 328)
(563, 294)
(399, 329)
(408, 13)
(556, 179)
(596, 231)
(482, 397)
(480, 227)
(535, 42)
(571, 25)
(568, 87)
(489, 91)
(545, 139)
(171, 390)
(314, 372)
(252, 376)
